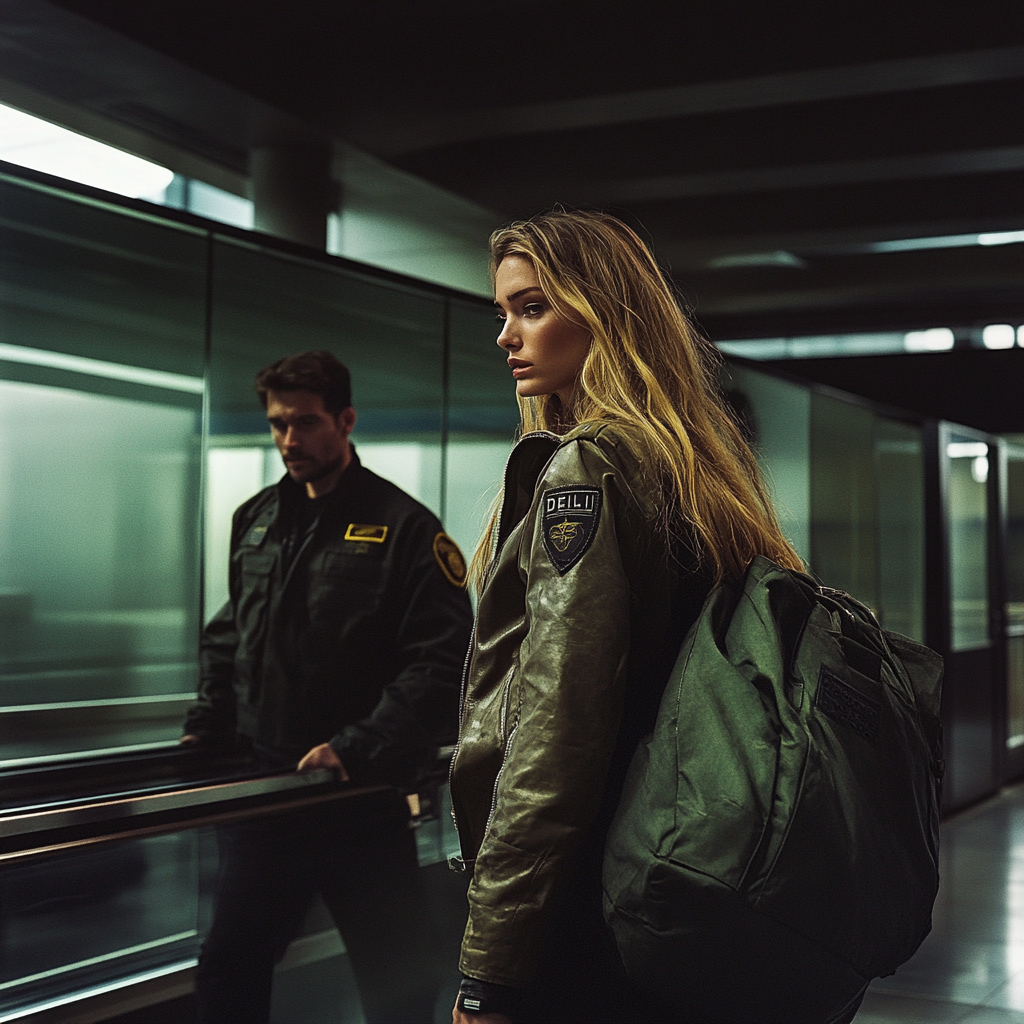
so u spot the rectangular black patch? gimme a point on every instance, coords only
(256, 536)
(569, 517)
(843, 703)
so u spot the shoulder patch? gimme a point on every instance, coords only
(363, 532)
(449, 557)
(569, 517)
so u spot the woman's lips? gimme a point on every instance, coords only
(519, 367)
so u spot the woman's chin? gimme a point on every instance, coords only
(531, 389)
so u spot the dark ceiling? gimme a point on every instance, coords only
(763, 148)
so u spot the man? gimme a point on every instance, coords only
(340, 646)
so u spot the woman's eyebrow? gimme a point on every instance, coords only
(522, 291)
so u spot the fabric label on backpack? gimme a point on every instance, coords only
(569, 517)
(843, 703)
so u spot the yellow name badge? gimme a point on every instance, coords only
(365, 533)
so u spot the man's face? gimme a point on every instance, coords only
(313, 444)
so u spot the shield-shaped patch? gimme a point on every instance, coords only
(569, 522)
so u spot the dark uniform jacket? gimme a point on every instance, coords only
(578, 627)
(353, 630)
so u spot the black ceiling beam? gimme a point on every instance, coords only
(976, 388)
(397, 135)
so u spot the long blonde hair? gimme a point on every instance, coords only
(648, 369)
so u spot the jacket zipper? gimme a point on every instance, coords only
(506, 699)
(458, 863)
(497, 779)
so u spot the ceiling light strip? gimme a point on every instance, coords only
(101, 368)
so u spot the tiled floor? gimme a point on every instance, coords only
(970, 970)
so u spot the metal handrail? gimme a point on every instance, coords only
(27, 834)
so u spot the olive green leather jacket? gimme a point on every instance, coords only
(577, 630)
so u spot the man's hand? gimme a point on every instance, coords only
(188, 740)
(458, 1017)
(323, 757)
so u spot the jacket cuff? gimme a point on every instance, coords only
(476, 996)
(370, 758)
(210, 736)
(357, 766)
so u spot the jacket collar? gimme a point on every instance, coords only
(285, 492)
(525, 465)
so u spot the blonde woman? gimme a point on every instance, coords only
(630, 493)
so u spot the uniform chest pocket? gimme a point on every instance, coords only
(257, 564)
(339, 567)
(256, 569)
(344, 587)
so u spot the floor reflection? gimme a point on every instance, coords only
(970, 970)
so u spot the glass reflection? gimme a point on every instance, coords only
(80, 919)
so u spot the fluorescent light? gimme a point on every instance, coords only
(31, 142)
(1000, 237)
(910, 244)
(778, 258)
(998, 336)
(967, 449)
(946, 241)
(100, 368)
(937, 339)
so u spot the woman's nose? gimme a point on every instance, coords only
(506, 338)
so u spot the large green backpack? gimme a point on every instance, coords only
(776, 844)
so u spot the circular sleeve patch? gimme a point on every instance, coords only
(449, 557)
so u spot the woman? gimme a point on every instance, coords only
(630, 493)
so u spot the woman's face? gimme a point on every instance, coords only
(545, 351)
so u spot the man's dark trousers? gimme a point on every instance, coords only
(360, 855)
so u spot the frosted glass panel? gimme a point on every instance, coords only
(474, 478)
(967, 498)
(777, 418)
(101, 378)
(97, 564)
(413, 466)
(1015, 538)
(482, 421)
(899, 469)
(844, 495)
(390, 337)
(232, 476)
(86, 918)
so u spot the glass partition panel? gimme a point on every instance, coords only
(111, 915)
(391, 338)
(967, 508)
(1015, 690)
(1015, 538)
(844, 506)
(776, 417)
(101, 381)
(482, 421)
(1015, 596)
(899, 468)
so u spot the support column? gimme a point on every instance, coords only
(292, 191)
